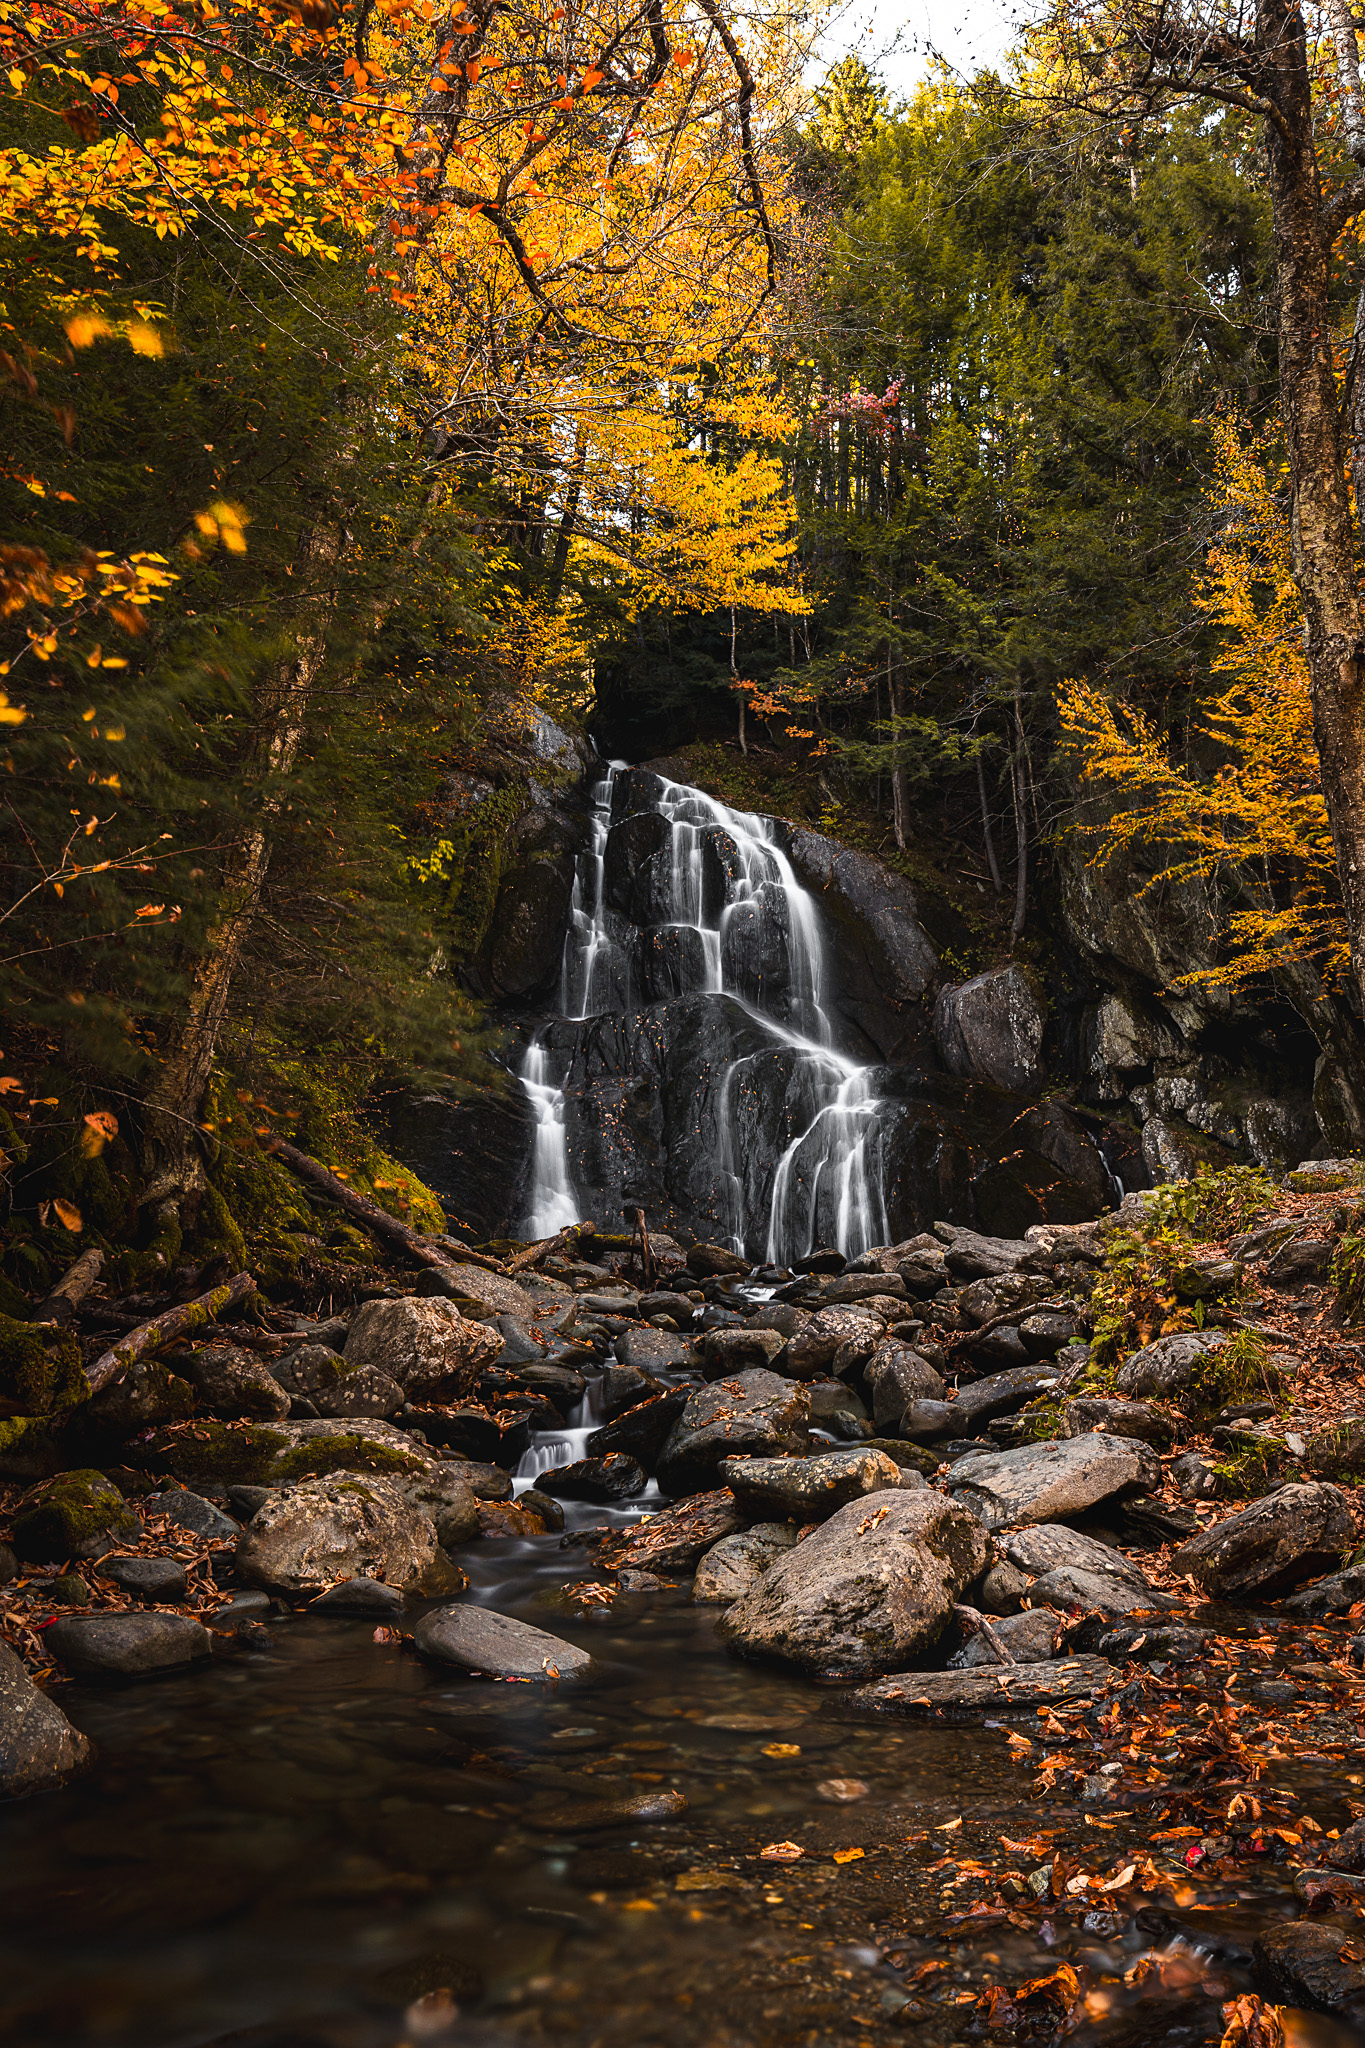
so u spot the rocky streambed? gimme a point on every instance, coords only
(949, 1643)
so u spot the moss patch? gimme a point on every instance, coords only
(1254, 1468)
(254, 1454)
(78, 1514)
(40, 1368)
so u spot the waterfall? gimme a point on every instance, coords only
(714, 897)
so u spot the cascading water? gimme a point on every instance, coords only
(703, 902)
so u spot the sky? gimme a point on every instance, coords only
(896, 38)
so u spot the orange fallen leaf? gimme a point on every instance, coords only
(849, 1855)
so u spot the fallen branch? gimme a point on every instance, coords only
(563, 1240)
(71, 1290)
(156, 1334)
(377, 1221)
(973, 1623)
(648, 1270)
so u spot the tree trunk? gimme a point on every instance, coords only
(570, 514)
(1323, 532)
(1017, 773)
(171, 1157)
(900, 774)
(992, 863)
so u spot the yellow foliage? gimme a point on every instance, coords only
(1256, 824)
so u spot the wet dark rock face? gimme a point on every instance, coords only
(725, 976)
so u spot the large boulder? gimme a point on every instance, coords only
(304, 1540)
(754, 1412)
(732, 1566)
(79, 1514)
(274, 1453)
(834, 1340)
(426, 1346)
(1293, 1534)
(1045, 1482)
(898, 1375)
(1184, 1369)
(676, 1539)
(1001, 1393)
(128, 1645)
(39, 1748)
(866, 1592)
(489, 1645)
(884, 960)
(808, 1489)
(991, 1029)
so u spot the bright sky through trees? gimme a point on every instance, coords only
(898, 38)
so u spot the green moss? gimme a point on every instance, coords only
(1338, 1452)
(1214, 1204)
(1348, 1277)
(346, 1452)
(76, 1514)
(1043, 1420)
(1256, 1467)
(40, 1367)
(1239, 1371)
(254, 1454)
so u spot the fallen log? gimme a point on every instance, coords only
(71, 1290)
(155, 1335)
(568, 1239)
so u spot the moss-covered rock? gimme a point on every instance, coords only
(1338, 1452)
(40, 1368)
(77, 1514)
(273, 1454)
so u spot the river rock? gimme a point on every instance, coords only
(730, 1351)
(1093, 1415)
(1001, 1394)
(1030, 1638)
(642, 1431)
(866, 1591)
(192, 1512)
(491, 1645)
(835, 1339)
(624, 1386)
(844, 1287)
(652, 1351)
(808, 1489)
(147, 1578)
(709, 1261)
(614, 1477)
(674, 1540)
(447, 1496)
(361, 1390)
(426, 1346)
(335, 1528)
(39, 1748)
(923, 1422)
(364, 1598)
(1044, 1334)
(753, 1412)
(991, 1029)
(971, 1255)
(145, 1394)
(128, 1645)
(1052, 1546)
(307, 1369)
(1195, 1476)
(1001, 1589)
(1043, 1482)
(988, 1688)
(897, 1376)
(1292, 1534)
(79, 1514)
(732, 1566)
(1334, 1595)
(274, 1453)
(664, 1303)
(234, 1384)
(1311, 1963)
(1069, 1587)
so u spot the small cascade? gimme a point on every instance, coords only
(696, 899)
(551, 1449)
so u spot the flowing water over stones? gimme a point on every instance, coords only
(680, 900)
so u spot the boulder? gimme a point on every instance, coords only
(624, 1386)
(336, 1528)
(1051, 1546)
(1069, 1587)
(754, 1412)
(729, 1351)
(1338, 1451)
(1030, 1638)
(274, 1453)
(1334, 1595)
(1195, 1476)
(732, 1566)
(1177, 1369)
(613, 1477)
(709, 1261)
(362, 1390)
(145, 1395)
(1001, 1294)
(491, 1645)
(970, 1255)
(674, 1540)
(1311, 1963)
(1093, 1415)
(834, 1339)
(1043, 1335)
(923, 1422)
(651, 1351)
(988, 1688)
(1293, 1534)
(128, 1645)
(867, 1591)
(364, 1598)
(846, 1287)
(897, 1376)
(991, 1029)
(39, 1748)
(449, 1497)
(642, 1431)
(1046, 1481)
(147, 1578)
(426, 1346)
(808, 1489)
(78, 1514)
(1001, 1394)
(233, 1383)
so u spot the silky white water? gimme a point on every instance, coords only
(722, 878)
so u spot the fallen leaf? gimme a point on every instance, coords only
(782, 1749)
(781, 1852)
(848, 1855)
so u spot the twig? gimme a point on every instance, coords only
(153, 1336)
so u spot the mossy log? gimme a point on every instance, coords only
(152, 1336)
(377, 1221)
(71, 1290)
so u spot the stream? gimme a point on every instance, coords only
(321, 1842)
